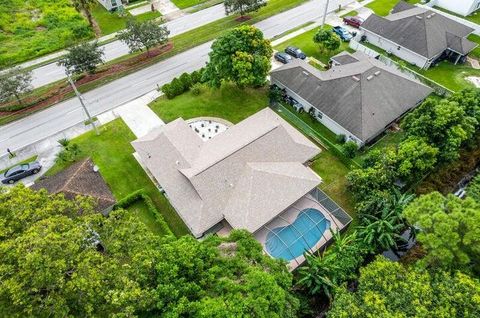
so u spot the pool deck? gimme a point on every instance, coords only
(290, 215)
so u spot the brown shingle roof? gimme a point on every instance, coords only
(79, 179)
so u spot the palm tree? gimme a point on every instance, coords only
(382, 231)
(85, 6)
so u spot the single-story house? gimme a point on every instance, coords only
(418, 35)
(358, 97)
(252, 176)
(81, 178)
(462, 7)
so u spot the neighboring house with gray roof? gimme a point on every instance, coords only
(358, 97)
(418, 35)
(243, 178)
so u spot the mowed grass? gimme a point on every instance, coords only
(450, 75)
(141, 210)
(110, 22)
(305, 42)
(228, 102)
(383, 7)
(113, 154)
(182, 4)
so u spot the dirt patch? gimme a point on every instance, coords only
(243, 18)
(62, 90)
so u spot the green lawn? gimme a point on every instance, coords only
(182, 4)
(476, 52)
(228, 102)
(29, 29)
(110, 22)
(305, 42)
(112, 152)
(141, 210)
(350, 14)
(383, 7)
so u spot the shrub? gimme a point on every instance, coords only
(195, 77)
(196, 89)
(186, 81)
(350, 148)
(341, 138)
(168, 91)
(64, 142)
(177, 86)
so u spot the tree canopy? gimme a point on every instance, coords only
(83, 58)
(388, 289)
(243, 6)
(241, 56)
(61, 259)
(449, 229)
(327, 40)
(14, 83)
(144, 35)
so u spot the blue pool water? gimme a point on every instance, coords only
(300, 236)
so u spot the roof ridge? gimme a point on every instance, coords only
(74, 174)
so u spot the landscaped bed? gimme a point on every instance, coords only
(112, 153)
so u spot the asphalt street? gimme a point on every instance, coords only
(57, 118)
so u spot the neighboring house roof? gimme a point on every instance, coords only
(363, 96)
(421, 30)
(246, 175)
(79, 179)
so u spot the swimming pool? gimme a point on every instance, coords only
(291, 241)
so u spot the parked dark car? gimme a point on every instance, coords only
(282, 57)
(355, 22)
(295, 52)
(16, 173)
(342, 33)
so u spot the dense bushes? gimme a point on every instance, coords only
(183, 83)
(142, 195)
(34, 28)
(435, 132)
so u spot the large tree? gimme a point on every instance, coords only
(14, 83)
(443, 124)
(243, 6)
(84, 57)
(242, 56)
(388, 289)
(327, 40)
(61, 259)
(144, 35)
(449, 229)
(86, 7)
(415, 157)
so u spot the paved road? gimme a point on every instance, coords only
(66, 114)
(52, 72)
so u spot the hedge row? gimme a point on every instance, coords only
(182, 84)
(142, 195)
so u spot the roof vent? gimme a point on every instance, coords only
(419, 17)
(177, 162)
(305, 73)
(356, 79)
(369, 78)
(377, 73)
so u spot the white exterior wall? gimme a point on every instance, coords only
(325, 120)
(392, 47)
(462, 7)
(110, 4)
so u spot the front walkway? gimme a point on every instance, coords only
(136, 114)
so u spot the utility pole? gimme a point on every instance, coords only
(80, 98)
(325, 12)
